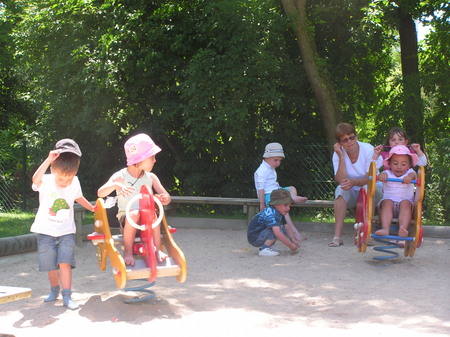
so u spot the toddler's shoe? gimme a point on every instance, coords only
(268, 252)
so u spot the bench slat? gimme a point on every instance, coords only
(242, 201)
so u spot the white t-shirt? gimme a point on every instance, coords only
(131, 181)
(265, 178)
(397, 191)
(55, 216)
(358, 169)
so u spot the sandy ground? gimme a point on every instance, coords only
(231, 291)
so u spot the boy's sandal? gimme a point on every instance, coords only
(370, 242)
(337, 241)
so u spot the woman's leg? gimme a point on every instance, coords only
(340, 210)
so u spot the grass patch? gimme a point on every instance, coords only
(13, 224)
(19, 223)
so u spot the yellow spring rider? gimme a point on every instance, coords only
(146, 266)
(365, 218)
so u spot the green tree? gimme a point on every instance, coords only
(320, 82)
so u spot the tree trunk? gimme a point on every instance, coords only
(412, 101)
(322, 86)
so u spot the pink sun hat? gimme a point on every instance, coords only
(400, 149)
(140, 147)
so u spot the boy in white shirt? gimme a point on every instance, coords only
(266, 182)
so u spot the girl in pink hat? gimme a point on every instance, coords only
(140, 151)
(398, 197)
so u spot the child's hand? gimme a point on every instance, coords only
(164, 198)
(52, 155)
(407, 180)
(94, 208)
(416, 147)
(382, 177)
(126, 191)
(294, 246)
(377, 150)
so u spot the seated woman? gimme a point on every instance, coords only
(351, 162)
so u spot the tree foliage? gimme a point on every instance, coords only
(211, 81)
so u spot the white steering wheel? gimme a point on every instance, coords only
(142, 227)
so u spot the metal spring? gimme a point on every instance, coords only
(142, 289)
(390, 245)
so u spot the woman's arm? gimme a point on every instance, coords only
(341, 172)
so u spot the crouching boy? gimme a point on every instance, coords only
(270, 225)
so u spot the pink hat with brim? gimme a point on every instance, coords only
(400, 149)
(140, 147)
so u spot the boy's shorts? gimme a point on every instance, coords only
(266, 234)
(55, 250)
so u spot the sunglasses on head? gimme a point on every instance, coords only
(345, 140)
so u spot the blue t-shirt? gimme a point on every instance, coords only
(269, 217)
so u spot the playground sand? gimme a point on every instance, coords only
(231, 291)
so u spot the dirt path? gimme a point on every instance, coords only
(230, 291)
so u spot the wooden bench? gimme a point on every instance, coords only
(78, 214)
(250, 206)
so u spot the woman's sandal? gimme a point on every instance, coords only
(337, 241)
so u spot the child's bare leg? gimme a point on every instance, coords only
(66, 275)
(292, 231)
(129, 233)
(386, 214)
(404, 217)
(53, 277)
(160, 256)
(269, 243)
(297, 198)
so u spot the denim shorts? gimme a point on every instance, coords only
(55, 250)
(266, 234)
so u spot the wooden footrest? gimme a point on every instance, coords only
(140, 270)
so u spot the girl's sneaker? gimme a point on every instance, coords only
(268, 252)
